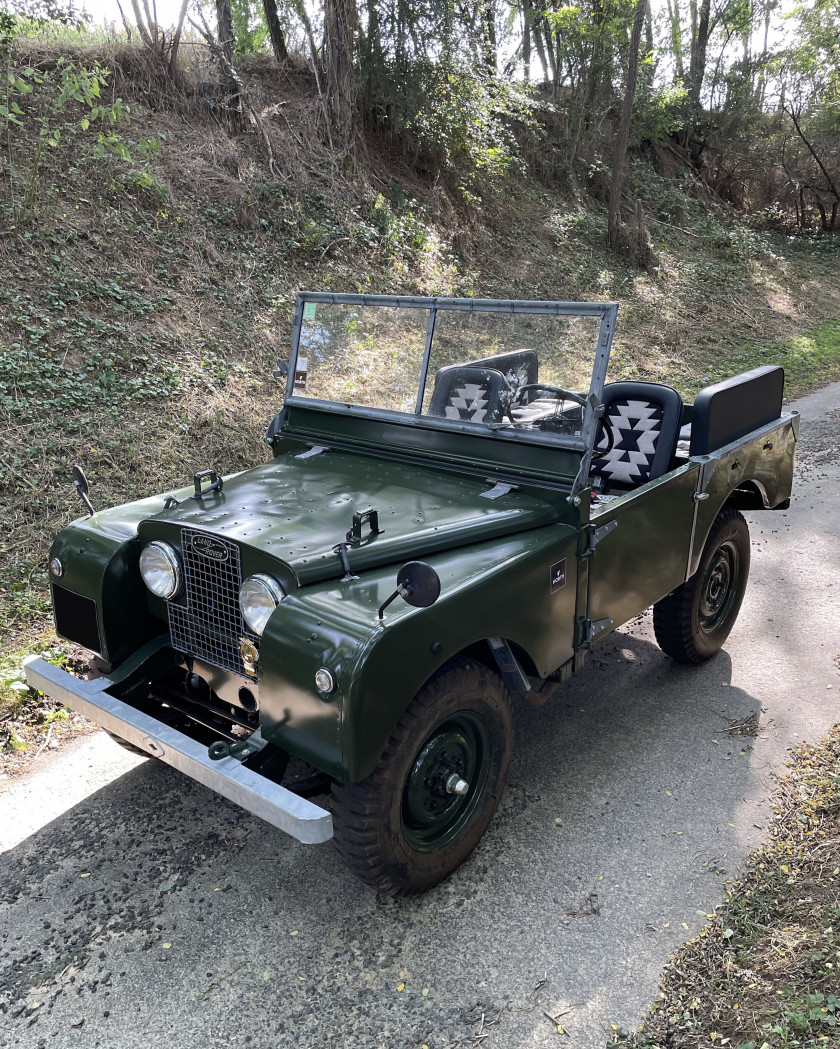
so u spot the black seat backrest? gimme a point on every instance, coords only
(519, 367)
(729, 410)
(469, 394)
(645, 419)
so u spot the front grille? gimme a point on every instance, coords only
(210, 625)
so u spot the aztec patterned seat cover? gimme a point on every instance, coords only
(472, 395)
(645, 418)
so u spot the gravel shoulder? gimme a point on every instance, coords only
(138, 908)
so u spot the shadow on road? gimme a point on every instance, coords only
(157, 910)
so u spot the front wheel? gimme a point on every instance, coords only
(693, 622)
(425, 807)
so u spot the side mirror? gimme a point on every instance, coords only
(81, 485)
(417, 583)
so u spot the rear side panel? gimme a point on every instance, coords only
(763, 463)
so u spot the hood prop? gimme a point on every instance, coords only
(216, 483)
(354, 537)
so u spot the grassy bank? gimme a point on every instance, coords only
(765, 971)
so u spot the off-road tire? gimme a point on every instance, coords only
(126, 745)
(692, 622)
(378, 831)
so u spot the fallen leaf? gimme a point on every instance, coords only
(85, 875)
(400, 986)
(266, 975)
(166, 946)
(425, 992)
(294, 932)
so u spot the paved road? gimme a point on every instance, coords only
(141, 910)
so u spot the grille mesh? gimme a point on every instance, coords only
(210, 626)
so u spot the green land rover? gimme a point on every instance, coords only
(457, 508)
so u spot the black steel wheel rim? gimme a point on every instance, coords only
(717, 594)
(432, 813)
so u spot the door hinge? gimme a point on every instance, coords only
(591, 629)
(597, 534)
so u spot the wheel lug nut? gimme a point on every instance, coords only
(456, 785)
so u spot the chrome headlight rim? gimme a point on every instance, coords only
(171, 562)
(256, 587)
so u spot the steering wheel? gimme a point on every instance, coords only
(566, 395)
(604, 425)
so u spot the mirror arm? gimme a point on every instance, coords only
(84, 497)
(402, 591)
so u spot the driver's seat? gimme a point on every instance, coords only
(645, 419)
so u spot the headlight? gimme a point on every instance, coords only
(258, 597)
(161, 570)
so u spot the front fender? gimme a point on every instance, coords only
(500, 588)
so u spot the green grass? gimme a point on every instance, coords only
(810, 360)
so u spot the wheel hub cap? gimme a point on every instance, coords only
(718, 589)
(445, 781)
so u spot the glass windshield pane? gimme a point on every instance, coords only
(370, 356)
(511, 370)
(498, 370)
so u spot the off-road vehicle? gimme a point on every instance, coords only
(457, 508)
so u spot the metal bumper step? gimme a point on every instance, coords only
(297, 816)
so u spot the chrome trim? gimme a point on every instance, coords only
(297, 816)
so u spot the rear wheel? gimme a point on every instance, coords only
(425, 807)
(693, 622)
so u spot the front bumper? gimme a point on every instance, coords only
(229, 777)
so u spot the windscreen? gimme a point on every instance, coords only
(498, 370)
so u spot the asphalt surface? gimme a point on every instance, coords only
(139, 909)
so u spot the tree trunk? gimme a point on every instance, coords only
(595, 71)
(176, 39)
(676, 37)
(623, 136)
(224, 21)
(339, 35)
(697, 62)
(526, 39)
(275, 32)
(488, 36)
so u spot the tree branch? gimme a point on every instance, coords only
(790, 112)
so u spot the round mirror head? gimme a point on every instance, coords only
(419, 584)
(79, 479)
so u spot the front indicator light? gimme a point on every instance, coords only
(161, 570)
(324, 681)
(56, 567)
(259, 595)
